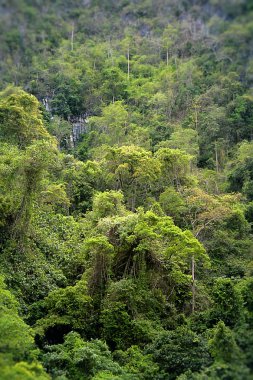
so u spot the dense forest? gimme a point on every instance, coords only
(126, 189)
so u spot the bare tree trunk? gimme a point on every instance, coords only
(176, 65)
(128, 63)
(72, 37)
(216, 158)
(193, 285)
(196, 118)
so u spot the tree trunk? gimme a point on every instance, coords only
(216, 158)
(72, 37)
(193, 285)
(128, 63)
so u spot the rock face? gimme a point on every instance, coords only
(46, 104)
(79, 126)
(79, 123)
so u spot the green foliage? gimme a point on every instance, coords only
(240, 176)
(108, 204)
(228, 303)
(133, 170)
(172, 203)
(183, 139)
(82, 180)
(218, 371)
(223, 346)
(137, 364)
(20, 118)
(100, 256)
(245, 287)
(77, 359)
(112, 124)
(126, 189)
(62, 130)
(175, 166)
(179, 350)
(16, 337)
(16, 342)
(117, 327)
(68, 308)
(22, 371)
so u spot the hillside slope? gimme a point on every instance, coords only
(126, 190)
